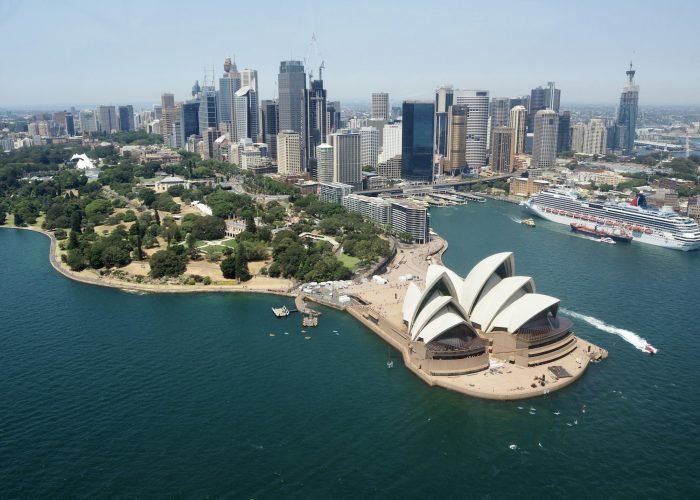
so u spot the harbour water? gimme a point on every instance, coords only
(110, 394)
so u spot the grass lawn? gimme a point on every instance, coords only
(349, 261)
(214, 249)
(200, 243)
(229, 243)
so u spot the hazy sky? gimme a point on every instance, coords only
(77, 52)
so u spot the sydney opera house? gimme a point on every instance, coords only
(457, 325)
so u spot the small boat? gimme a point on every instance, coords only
(650, 349)
(271, 334)
(528, 222)
(607, 240)
(389, 364)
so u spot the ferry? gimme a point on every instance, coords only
(528, 222)
(663, 228)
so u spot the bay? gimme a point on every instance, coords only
(110, 394)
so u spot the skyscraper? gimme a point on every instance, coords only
(417, 141)
(333, 117)
(369, 147)
(477, 102)
(518, 122)
(229, 84)
(289, 153)
(544, 148)
(499, 112)
(502, 150)
(208, 112)
(324, 162)
(542, 98)
(564, 132)
(391, 146)
(70, 124)
(167, 117)
(578, 137)
(457, 138)
(316, 120)
(107, 119)
(380, 106)
(246, 117)
(88, 121)
(126, 118)
(444, 97)
(270, 125)
(627, 114)
(595, 137)
(292, 83)
(346, 158)
(189, 120)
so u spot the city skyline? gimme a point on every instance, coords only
(114, 57)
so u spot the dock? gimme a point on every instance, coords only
(280, 312)
(310, 316)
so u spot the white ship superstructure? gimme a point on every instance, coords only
(663, 228)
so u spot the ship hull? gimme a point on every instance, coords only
(660, 240)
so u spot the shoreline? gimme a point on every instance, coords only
(141, 287)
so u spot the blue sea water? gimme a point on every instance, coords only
(110, 394)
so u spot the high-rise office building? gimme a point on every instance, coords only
(369, 147)
(391, 146)
(627, 114)
(499, 112)
(70, 124)
(126, 118)
(544, 147)
(595, 137)
(578, 137)
(380, 106)
(208, 110)
(269, 112)
(518, 122)
(107, 119)
(88, 121)
(291, 83)
(324, 163)
(333, 117)
(417, 141)
(249, 78)
(444, 97)
(564, 132)
(347, 151)
(542, 98)
(189, 120)
(477, 102)
(289, 153)
(246, 117)
(502, 160)
(457, 138)
(167, 116)
(229, 84)
(167, 100)
(315, 120)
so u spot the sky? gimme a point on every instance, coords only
(73, 52)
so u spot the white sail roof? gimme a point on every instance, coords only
(482, 277)
(440, 325)
(435, 276)
(500, 297)
(410, 302)
(513, 317)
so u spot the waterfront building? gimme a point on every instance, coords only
(333, 192)
(627, 114)
(391, 144)
(544, 148)
(369, 147)
(324, 163)
(527, 186)
(542, 98)
(289, 153)
(444, 98)
(477, 102)
(347, 150)
(411, 218)
(518, 122)
(456, 138)
(380, 106)
(107, 119)
(269, 111)
(126, 118)
(292, 91)
(564, 132)
(378, 210)
(502, 156)
(417, 141)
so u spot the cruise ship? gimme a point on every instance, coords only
(663, 228)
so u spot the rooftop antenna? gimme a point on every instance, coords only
(630, 74)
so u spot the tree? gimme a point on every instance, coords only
(250, 224)
(209, 227)
(19, 221)
(75, 259)
(167, 263)
(228, 267)
(157, 217)
(73, 241)
(76, 220)
(241, 264)
(3, 217)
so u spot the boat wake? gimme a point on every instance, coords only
(626, 335)
(515, 219)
